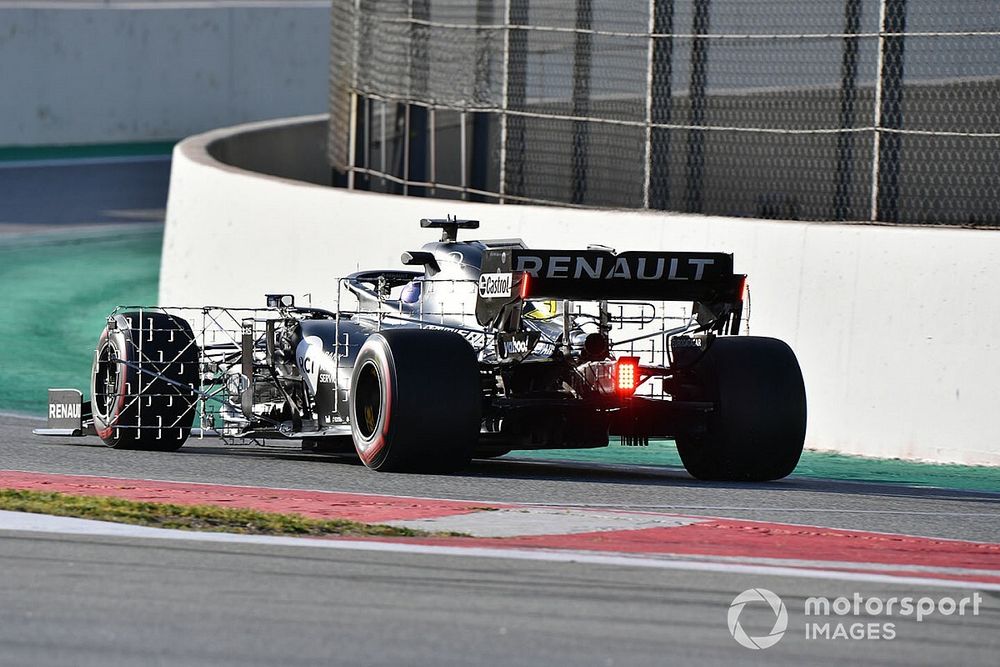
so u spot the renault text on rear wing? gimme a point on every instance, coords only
(600, 274)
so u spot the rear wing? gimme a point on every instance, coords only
(510, 275)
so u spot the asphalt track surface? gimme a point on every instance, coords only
(107, 600)
(850, 505)
(102, 601)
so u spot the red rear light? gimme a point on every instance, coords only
(627, 375)
(524, 286)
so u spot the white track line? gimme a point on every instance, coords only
(82, 161)
(821, 510)
(155, 5)
(848, 565)
(40, 523)
(21, 415)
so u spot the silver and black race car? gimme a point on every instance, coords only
(485, 347)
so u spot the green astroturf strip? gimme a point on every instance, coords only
(57, 290)
(8, 153)
(813, 464)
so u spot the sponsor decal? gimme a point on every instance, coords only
(310, 356)
(477, 339)
(594, 274)
(611, 267)
(496, 285)
(516, 345)
(64, 410)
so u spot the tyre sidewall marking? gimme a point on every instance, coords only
(369, 449)
(118, 343)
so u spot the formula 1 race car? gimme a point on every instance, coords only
(486, 347)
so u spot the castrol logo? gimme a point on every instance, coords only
(495, 285)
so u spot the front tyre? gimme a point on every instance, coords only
(415, 401)
(758, 426)
(145, 369)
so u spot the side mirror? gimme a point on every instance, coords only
(280, 300)
(420, 258)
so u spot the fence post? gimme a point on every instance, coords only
(502, 187)
(888, 112)
(481, 149)
(352, 137)
(581, 99)
(659, 103)
(417, 131)
(516, 90)
(352, 141)
(696, 137)
(848, 97)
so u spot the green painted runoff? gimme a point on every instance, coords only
(58, 288)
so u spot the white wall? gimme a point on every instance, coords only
(146, 71)
(895, 327)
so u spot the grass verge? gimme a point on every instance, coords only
(193, 517)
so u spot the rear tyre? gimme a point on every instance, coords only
(133, 409)
(415, 401)
(758, 426)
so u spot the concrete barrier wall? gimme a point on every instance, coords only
(294, 151)
(894, 326)
(144, 71)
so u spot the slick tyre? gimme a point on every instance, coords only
(758, 425)
(416, 400)
(145, 369)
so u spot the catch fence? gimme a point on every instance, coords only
(854, 110)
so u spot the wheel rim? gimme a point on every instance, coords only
(368, 400)
(107, 380)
